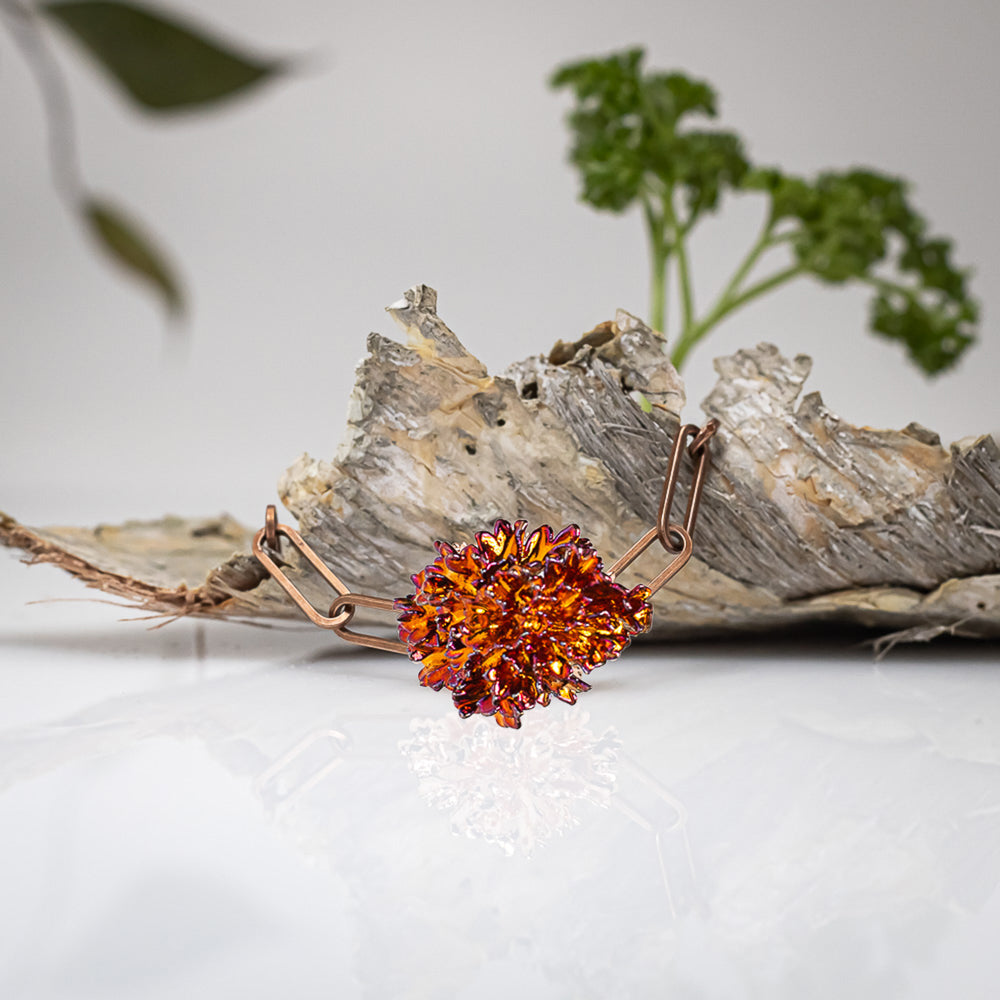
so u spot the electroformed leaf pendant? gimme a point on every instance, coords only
(511, 620)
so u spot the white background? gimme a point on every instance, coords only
(420, 143)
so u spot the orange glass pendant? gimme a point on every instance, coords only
(511, 620)
(514, 618)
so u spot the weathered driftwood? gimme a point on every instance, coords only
(805, 519)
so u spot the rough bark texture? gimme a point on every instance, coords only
(805, 518)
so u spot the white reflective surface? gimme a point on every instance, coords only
(210, 811)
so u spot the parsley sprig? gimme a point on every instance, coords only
(633, 144)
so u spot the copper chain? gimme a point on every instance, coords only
(674, 537)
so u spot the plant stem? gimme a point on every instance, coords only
(761, 288)
(764, 242)
(725, 305)
(659, 254)
(683, 268)
(891, 287)
(22, 24)
(658, 290)
(731, 296)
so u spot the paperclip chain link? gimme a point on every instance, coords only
(675, 538)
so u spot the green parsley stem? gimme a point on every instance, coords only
(724, 306)
(683, 268)
(659, 259)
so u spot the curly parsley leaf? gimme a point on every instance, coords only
(627, 138)
(631, 145)
(935, 333)
(859, 225)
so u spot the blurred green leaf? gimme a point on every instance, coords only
(124, 241)
(161, 64)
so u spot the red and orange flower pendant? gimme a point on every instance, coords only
(514, 619)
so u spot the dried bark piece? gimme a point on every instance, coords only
(149, 563)
(805, 518)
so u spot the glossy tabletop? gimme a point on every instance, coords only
(212, 810)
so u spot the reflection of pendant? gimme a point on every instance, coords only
(513, 619)
(519, 791)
